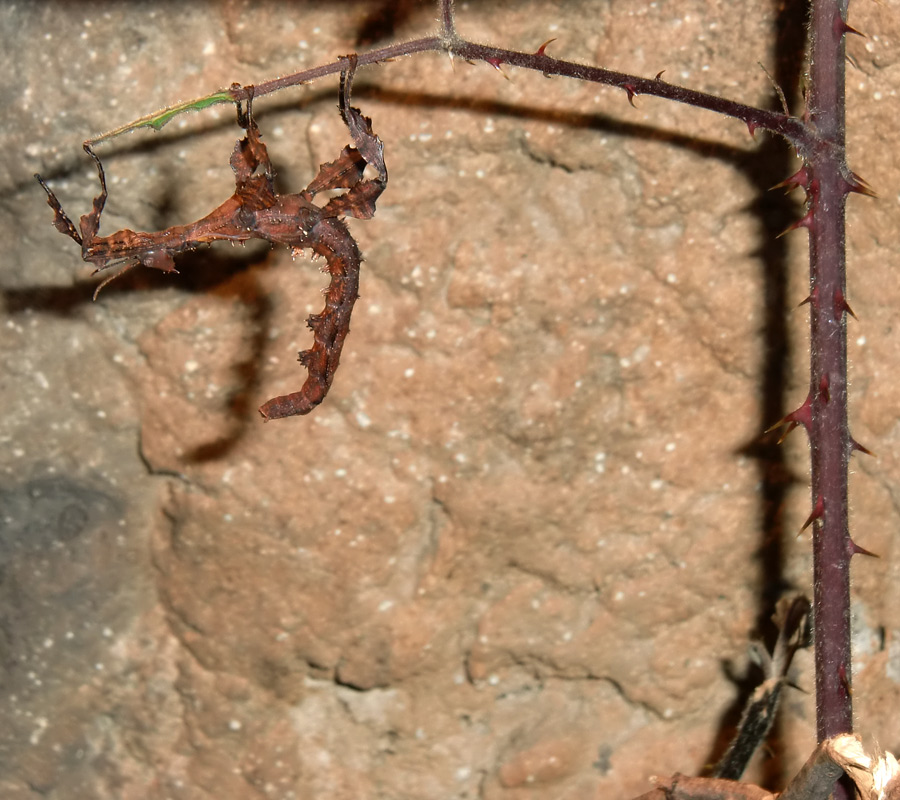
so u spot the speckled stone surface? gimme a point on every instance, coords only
(521, 549)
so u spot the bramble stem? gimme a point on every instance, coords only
(791, 128)
(448, 23)
(448, 41)
(830, 439)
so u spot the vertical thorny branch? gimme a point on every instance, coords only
(818, 138)
(827, 188)
(827, 180)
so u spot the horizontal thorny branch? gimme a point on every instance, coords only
(450, 42)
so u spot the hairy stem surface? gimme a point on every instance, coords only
(829, 432)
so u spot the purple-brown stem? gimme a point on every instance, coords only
(789, 127)
(829, 182)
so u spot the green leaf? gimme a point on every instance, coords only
(160, 118)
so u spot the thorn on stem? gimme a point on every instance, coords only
(811, 299)
(804, 222)
(800, 416)
(841, 306)
(845, 680)
(842, 29)
(799, 178)
(631, 93)
(857, 447)
(859, 186)
(817, 513)
(659, 75)
(543, 47)
(495, 63)
(824, 392)
(856, 550)
(788, 428)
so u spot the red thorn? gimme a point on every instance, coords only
(659, 75)
(855, 550)
(805, 301)
(804, 222)
(799, 178)
(812, 192)
(812, 298)
(752, 126)
(790, 426)
(803, 414)
(856, 446)
(859, 186)
(824, 392)
(841, 305)
(495, 63)
(631, 93)
(842, 29)
(800, 416)
(817, 513)
(845, 681)
(543, 47)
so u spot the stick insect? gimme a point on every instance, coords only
(257, 211)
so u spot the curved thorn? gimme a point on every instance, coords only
(856, 550)
(804, 222)
(817, 513)
(859, 186)
(856, 446)
(799, 416)
(495, 63)
(799, 178)
(841, 306)
(843, 29)
(790, 426)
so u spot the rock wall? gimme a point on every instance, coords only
(521, 549)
